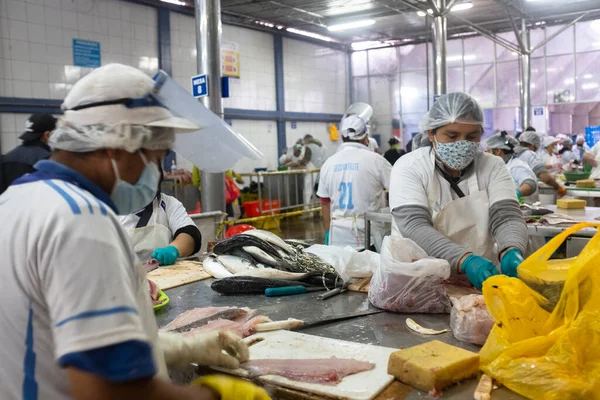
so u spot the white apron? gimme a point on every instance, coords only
(465, 221)
(152, 236)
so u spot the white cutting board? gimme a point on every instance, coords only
(291, 345)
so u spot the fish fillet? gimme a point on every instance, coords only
(201, 316)
(328, 371)
(154, 293)
(241, 328)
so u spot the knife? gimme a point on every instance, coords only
(296, 324)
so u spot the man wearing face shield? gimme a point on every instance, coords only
(80, 324)
(456, 202)
(530, 143)
(524, 179)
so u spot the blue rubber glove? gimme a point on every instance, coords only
(327, 237)
(166, 255)
(478, 269)
(510, 261)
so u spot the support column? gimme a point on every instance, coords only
(208, 58)
(525, 60)
(279, 92)
(439, 28)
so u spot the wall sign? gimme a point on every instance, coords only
(199, 86)
(230, 59)
(293, 124)
(86, 53)
(538, 111)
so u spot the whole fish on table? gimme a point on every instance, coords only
(249, 285)
(214, 267)
(260, 255)
(235, 264)
(272, 239)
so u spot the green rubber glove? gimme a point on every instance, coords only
(327, 237)
(166, 255)
(478, 269)
(510, 261)
(230, 388)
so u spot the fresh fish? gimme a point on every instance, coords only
(295, 243)
(249, 285)
(215, 268)
(272, 239)
(308, 262)
(261, 256)
(235, 264)
(200, 316)
(273, 273)
(242, 254)
(242, 240)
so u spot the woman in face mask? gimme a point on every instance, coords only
(549, 154)
(455, 201)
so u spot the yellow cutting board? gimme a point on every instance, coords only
(178, 274)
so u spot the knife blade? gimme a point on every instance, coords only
(337, 318)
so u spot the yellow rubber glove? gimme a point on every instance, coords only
(230, 388)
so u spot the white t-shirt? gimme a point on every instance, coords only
(354, 178)
(70, 284)
(373, 145)
(520, 171)
(414, 176)
(596, 153)
(171, 213)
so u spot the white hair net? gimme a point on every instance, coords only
(549, 141)
(502, 141)
(452, 108)
(99, 114)
(529, 137)
(567, 141)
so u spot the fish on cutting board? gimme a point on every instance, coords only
(241, 328)
(201, 316)
(326, 371)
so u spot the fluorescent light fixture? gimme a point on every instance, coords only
(309, 34)
(590, 85)
(348, 9)
(351, 25)
(462, 7)
(368, 44)
(569, 81)
(422, 14)
(588, 76)
(176, 2)
(265, 23)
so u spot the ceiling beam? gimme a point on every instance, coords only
(558, 32)
(513, 25)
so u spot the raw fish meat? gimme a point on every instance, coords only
(241, 328)
(151, 265)
(154, 293)
(201, 316)
(328, 371)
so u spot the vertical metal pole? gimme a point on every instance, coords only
(208, 58)
(350, 81)
(439, 49)
(525, 79)
(279, 92)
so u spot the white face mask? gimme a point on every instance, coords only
(129, 198)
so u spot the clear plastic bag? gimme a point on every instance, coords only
(469, 319)
(347, 262)
(406, 280)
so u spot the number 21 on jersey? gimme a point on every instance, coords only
(345, 201)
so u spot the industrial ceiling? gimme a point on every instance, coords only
(396, 21)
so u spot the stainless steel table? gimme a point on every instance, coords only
(385, 329)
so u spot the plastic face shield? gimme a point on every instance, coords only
(215, 147)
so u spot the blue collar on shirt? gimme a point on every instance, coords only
(46, 170)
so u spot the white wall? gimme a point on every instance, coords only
(263, 134)
(314, 78)
(11, 127)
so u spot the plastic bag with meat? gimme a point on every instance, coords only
(406, 280)
(469, 319)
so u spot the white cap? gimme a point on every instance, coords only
(530, 137)
(549, 141)
(354, 127)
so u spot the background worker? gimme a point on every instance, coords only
(162, 230)
(529, 144)
(550, 155)
(567, 155)
(524, 179)
(352, 182)
(20, 160)
(373, 145)
(395, 151)
(80, 323)
(455, 201)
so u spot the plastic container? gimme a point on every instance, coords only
(576, 176)
(252, 208)
(235, 229)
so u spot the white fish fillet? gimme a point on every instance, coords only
(418, 328)
(271, 238)
(235, 264)
(215, 268)
(272, 273)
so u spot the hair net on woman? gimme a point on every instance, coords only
(99, 114)
(452, 108)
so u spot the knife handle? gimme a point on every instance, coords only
(285, 291)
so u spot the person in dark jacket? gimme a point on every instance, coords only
(395, 152)
(20, 161)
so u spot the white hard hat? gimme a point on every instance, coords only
(362, 110)
(354, 128)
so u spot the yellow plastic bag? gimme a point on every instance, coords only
(542, 355)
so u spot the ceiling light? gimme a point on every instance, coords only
(309, 34)
(587, 76)
(279, 27)
(421, 13)
(462, 7)
(348, 9)
(264, 23)
(176, 2)
(591, 85)
(351, 25)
